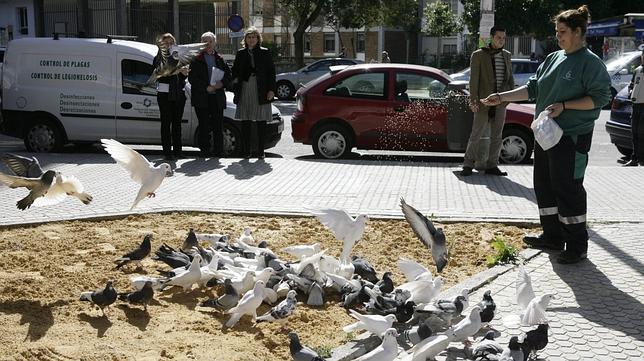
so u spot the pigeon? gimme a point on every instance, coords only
(364, 269)
(446, 310)
(38, 187)
(142, 296)
(226, 301)
(386, 351)
(302, 250)
(385, 284)
(102, 298)
(535, 313)
(429, 348)
(247, 237)
(513, 352)
(316, 295)
(524, 292)
(188, 278)
(430, 236)
(62, 187)
(136, 255)
(300, 352)
(488, 307)
(533, 307)
(171, 257)
(375, 324)
(535, 340)
(138, 281)
(423, 291)
(190, 241)
(22, 166)
(282, 310)
(467, 327)
(247, 305)
(413, 270)
(141, 171)
(487, 348)
(417, 334)
(343, 227)
(173, 58)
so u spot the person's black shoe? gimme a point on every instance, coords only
(467, 171)
(631, 163)
(542, 242)
(570, 257)
(623, 160)
(495, 171)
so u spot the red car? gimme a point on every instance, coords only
(396, 107)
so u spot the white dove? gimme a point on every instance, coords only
(386, 351)
(141, 171)
(375, 324)
(413, 270)
(428, 348)
(533, 307)
(300, 251)
(138, 281)
(187, 279)
(248, 304)
(525, 293)
(468, 326)
(61, 187)
(343, 227)
(423, 291)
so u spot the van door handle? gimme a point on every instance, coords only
(126, 105)
(399, 109)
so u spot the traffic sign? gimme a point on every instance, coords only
(235, 23)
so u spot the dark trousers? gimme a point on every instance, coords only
(249, 146)
(211, 120)
(171, 114)
(637, 131)
(559, 187)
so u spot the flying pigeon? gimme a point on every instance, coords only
(535, 340)
(226, 301)
(22, 166)
(102, 298)
(38, 187)
(534, 308)
(413, 270)
(386, 351)
(300, 352)
(248, 304)
(136, 255)
(62, 187)
(141, 171)
(375, 324)
(525, 293)
(141, 297)
(282, 310)
(430, 236)
(173, 58)
(343, 227)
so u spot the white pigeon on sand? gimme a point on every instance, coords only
(386, 351)
(141, 171)
(304, 250)
(344, 228)
(248, 304)
(375, 324)
(187, 279)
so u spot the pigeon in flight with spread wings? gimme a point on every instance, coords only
(432, 237)
(173, 58)
(22, 166)
(38, 187)
(344, 228)
(141, 171)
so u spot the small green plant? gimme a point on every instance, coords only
(504, 253)
(324, 351)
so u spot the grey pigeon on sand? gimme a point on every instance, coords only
(102, 298)
(38, 187)
(139, 297)
(300, 352)
(226, 301)
(137, 254)
(282, 310)
(429, 235)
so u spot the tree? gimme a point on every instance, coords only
(304, 13)
(402, 14)
(350, 14)
(441, 22)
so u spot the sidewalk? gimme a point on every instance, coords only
(598, 312)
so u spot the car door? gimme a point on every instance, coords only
(315, 70)
(417, 116)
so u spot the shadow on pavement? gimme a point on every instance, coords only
(245, 169)
(374, 158)
(197, 166)
(500, 185)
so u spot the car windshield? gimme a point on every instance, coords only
(620, 62)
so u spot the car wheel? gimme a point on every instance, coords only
(364, 86)
(332, 141)
(624, 151)
(232, 140)
(43, 135)
(285, 90)
(516, 146)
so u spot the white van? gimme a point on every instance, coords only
(67, 90)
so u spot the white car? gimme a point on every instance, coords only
(289, 83)
(522, 70)
(620, 69)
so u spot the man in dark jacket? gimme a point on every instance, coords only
(209, 97)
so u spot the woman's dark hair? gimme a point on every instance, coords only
(575, 18)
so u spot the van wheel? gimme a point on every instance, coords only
(43, 136)
(285, 90)
(332, 141)
(516, 146)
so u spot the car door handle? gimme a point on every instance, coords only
(399, 109)
(126, 105)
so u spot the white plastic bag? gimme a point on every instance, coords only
(546, 131)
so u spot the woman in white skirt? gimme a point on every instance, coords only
(254, 77)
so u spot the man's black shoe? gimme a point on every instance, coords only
(467, 171)
(495, 171)
(624, 159)
(631, 163)
(542, 242)
(569, 257)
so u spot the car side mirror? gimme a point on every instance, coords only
(623, 72)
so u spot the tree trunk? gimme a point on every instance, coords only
(304, 22)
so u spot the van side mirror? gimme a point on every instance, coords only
(623, 72)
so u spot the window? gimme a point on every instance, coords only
(360, 43)
(322, 65)
(329, 43)
(134, 76)
(419, 87)
(307, 43)
(364, 85)
(23, 24)
(449, 48)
